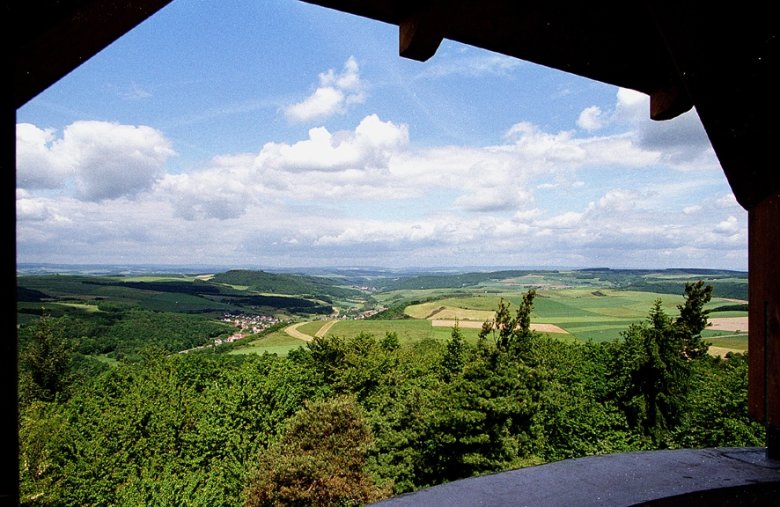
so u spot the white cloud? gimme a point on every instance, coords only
(565, 220)
(690, 210)
(680, 142)
(322, 103)
(369, 146)
(727, 227)
(104, 160)
(369, 195)
(334, 94)
(30, 209)
(351, 164)
(591, 119)
(558, 148)
(223, 190)
(471, 66)
(495, 199)
(726, 201)
(619, 200)
(38, 163)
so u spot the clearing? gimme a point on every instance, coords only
(729, 324)
(470, 324)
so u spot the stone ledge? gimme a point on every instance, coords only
(719, 476)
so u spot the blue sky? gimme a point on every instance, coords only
(282, 134)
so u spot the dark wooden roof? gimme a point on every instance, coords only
(56, 36)
(576, 37)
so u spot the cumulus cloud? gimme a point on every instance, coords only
(591, 118)
(376, 162)
(681, 142)
(619, 200)
(726, 201)
(335, 92)
(369, 146)
(553, 148)
(36, 210)
(690, 210)
(103, 160)
(224, 189)
(727, 227)
(40, 163)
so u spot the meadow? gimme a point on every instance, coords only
(585, 313)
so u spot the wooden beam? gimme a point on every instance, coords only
(668, 103)
(56, 37)
(733, 83)
(421, 33)
(764, 310)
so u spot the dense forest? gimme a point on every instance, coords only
(349, 421)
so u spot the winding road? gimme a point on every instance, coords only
(293, 331)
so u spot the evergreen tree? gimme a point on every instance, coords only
(656, 374)
(44, 363)
(693, 319)
(452, 362)
(512, 333)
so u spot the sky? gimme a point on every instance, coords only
(280, 134)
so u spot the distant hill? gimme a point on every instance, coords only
(179, 296)
(725, 283)
(281, 283)
(444, 281)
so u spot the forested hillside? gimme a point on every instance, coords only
(351, 420)
(281, 283)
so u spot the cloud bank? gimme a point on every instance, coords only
(615, 190)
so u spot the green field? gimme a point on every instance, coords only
(311, 328)
(588, 314)
(279, 343)
(729, 341)
(408, 331)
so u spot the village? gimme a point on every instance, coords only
(246, 324)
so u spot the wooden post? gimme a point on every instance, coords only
(764, 310)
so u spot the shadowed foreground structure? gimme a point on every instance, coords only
(722, 60)
(723, 477)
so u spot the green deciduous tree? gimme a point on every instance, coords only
(319, 460)
(717, 413)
